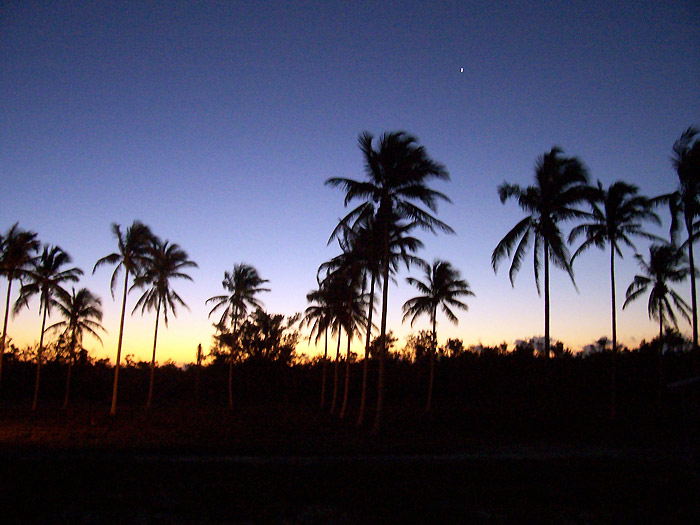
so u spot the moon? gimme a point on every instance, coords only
(461, 70)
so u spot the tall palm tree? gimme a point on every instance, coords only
(241, 285)
(132, 247)
(82, 312)
(666, 265)
(443, 288)
(319, 316)
(46, 278)
(398, 173)
(560, 184)
(163, 262)
(684, 204)
(17, 250)
(617, 215)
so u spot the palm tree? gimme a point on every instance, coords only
(131, 253)
(319, 316)
(617, 215)
(443, 288)
(560, 184)
(398, 172)
(666, 265)
(45, 278)
(685, 207)
(82, 312)
(241, 286)
(163, 262)
(17, 250)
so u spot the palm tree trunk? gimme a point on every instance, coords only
(613, 365)
(113, 409)
(660, 364)
(546, 299)
(693, 302)
(335, 374)
(39, 353)
(230, 360)
(365, 363)
(382, 334)
(153, 359)
(323, 370)
(432, 364)
(4, 326)
(346, 389)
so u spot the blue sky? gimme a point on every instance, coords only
(217, 123)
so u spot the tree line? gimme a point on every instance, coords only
(376, 237)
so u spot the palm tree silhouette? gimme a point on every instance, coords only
(684, 204)
(443, 289)
(560, 184)
(666, 265)
(45, 278)
(82, 312)
(617, 215)
(242, 285)
(163, 262)
(319, 315)
(17, 250)
(132, 247)
(398, 172)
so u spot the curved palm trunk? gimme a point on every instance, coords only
(613, 365)
(153, 359)
(660, 363)
(382, 335)
(115, 388)
(693, 301)
(365, 364)
(4, 326)
(323, 376)
(546, 299)
(346, 389)
(432, 364)
(39, 353)
(335, 374)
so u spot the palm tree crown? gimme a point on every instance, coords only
(163, 262)
(82, 312)
(242, 285)
(666, 265)
(442, 289)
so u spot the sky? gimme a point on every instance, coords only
(217, 123)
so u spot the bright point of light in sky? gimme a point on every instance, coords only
(217, 124)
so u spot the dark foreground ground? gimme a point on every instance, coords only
(280, 465)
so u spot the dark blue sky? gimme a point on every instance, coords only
(217, 123)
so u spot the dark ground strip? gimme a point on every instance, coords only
(554, 488)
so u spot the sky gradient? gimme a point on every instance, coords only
(217, 124)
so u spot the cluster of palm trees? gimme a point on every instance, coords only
(375, 239)
(614, 217)
(151, 262)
